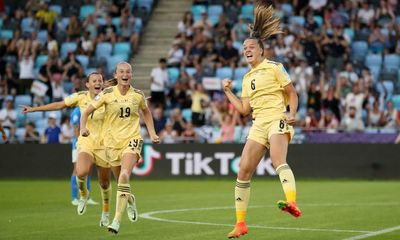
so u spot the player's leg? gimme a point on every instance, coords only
(74, 186)
(251, 156)
(83, 167)
(128, 161)
(106, 190)
(278, 151)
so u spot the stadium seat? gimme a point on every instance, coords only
(84, 60)
(197, 10)
(138, 25)
(101, 21)
(238, 46)
(20, 134)
(237, 85)
(64, 23)
(90, 70)
(391, 61)
(26, 25)
(173, 75)
(190, 71)
(350, 33)
(34, 116)
(41, 125)
(224, 72)
(23, 100)
(215, 10)
(68, 86)
(297, 20)
(103, 49)
(122, 48)
(287, 9)
(42, 37)
(319, 20)
(213, 19)
(86, 10)
(112, 62)
(375, 72)
(247, 11)
(187, 114)
(6, 34)
(67, 47)
(56, 8)
(116, 21)
(386, 89)
(396, 101)
(147, 4)
(240, 72)
(40, 60)
(373, 60)
(359, 50)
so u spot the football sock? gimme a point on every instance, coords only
(88, 183)
(74, 187)
(288, 182)
(123, 194)
(82, 186)
(106, 196)
(242, 197)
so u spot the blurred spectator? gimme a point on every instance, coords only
(127, 29)
(376, 40)
(186, 24)
(232, 10)
(328, 120)
(159, 119)
(375, 117)
(390, 116)
(351, 122)
(52, 132)
(228, 124)
(314, 99)
(168, 135)
(302, 76)
(107, 32)
(74, 29)
(209, 56)
(159, 83)
(355, 99)
(366, 14)
(67, 130)
(12, 138)
(90, 25)
(349, 73)
(177, 121)
(384, 14)
(179, 95)
(46, 17)
(205, 23)
(26, 74)
(334, 47)
(175, 54)
(200, 100)
(31, 135)
(331, 101)
(11, 80)
(240, 30)
(221, 31)
(229, 56)
(310, 122)
(71, 66)
(189, 135)
(8, 115)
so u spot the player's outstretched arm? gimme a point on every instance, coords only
(48, 107)
(293, 103)
(148, 120)
(84, 117)
(243, 105)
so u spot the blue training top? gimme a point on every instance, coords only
(75, 120)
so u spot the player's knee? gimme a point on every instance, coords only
(104, 184)
(123, 177)
(244, 175)
(81, 173)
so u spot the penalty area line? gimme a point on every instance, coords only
(375, 233)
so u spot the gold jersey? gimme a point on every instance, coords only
(121, 122)
(95, 120)
(264, 85)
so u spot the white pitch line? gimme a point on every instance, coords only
(149, 216)
(376, 233)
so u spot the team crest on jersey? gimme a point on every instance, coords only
(97, 98)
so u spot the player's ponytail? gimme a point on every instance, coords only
(265, 22)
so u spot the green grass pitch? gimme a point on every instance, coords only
(203, 209)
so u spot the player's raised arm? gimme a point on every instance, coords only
(48, 107)
(241, 105)
(84, 118)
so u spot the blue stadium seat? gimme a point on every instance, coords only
(101, 21)
(297, 20)
(23, 100)
(190, 71)
(287, 9)
(386, 90)
(350, 33)
(26, 25)
(67, 47)
(215, 10)
(396, 101)
(213, 19)
(90, 70)
(359, 50)
(173, 75)
(112, 62)
(86, 10)
(375, 72)
(42, 36)
(197, 10)
(122, 48)
(237, 85)
(103, 49)
(84, 60)
(40, 60)
(147, 4)
(224, 72)
(6, 34)
(138, 25)
(68, 86)
(373, 60)
(34, 116)
(391, 62)
(187, 114)
(116, 21)
(64, 22)
(20, 134)
(238, 46)
(240, 72)
(56, 8)
(319, 20)
(247, 11)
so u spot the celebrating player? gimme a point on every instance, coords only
(267, 90)
(89, 149)
(121, 131)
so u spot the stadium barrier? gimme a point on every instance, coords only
(360, 161)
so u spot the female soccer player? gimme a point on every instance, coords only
(121, 131)
(89, 149)
(267, 90)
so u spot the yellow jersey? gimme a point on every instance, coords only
(95, 120)
(121, 122)
(197, 99)
(264, 85)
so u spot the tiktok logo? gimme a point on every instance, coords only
(146, 164)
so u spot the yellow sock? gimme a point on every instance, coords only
(288, 182)
(123, 194)
(82, 186)
(106, 196)
(242, 197)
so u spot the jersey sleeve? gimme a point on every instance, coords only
(282, 75)
(142, 101)
(72, 100)
(99, 100)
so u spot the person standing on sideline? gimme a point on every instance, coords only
(267, 90)
(121, 130)
(159, 83)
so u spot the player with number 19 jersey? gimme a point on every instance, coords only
(264, 86)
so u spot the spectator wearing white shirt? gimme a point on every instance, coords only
(175, 54)
(159, 83)
(351, 122)
(8, 115)
(349, 73)
(26, 75)
(67, 130)
(366, 14)
(355, 99)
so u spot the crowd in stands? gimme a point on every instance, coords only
(343, 57)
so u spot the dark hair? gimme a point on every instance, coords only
(265, 23)
(162, 60)
(93, 73)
